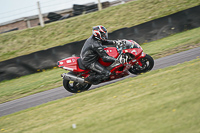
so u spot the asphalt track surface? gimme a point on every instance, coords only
(58, 93)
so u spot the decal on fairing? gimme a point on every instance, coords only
(134, 51)
(73, 60)
(108, 51)
(61, 63)
(69, 61)
(142, 54)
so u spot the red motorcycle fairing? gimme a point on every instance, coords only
(135, 51)
(111, 51)
(119, 71)
(138, 53)
(70, 64)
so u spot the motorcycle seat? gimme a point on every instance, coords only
(81, 66)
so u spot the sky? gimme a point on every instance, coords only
(14, 9)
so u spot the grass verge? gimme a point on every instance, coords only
(30, 84)
(27, 41)
(161, 101)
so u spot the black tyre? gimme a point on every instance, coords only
(147, 65)
(75, 87)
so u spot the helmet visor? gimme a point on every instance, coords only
(104, 36)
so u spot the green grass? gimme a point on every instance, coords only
(173, 44)
(24, 42)
(160, 101)
(30, 84)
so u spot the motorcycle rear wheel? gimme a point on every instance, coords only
(75, 87)
(147, 65)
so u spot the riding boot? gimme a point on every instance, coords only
(95, 79)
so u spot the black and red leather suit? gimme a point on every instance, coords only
(90, 53)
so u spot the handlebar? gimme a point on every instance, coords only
(120, 45)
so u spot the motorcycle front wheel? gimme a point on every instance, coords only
(75, 87)
(147, 65)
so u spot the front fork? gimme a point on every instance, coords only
(139, 63)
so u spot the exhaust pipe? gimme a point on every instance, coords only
(71, 77)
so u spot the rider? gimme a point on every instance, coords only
(92, 50)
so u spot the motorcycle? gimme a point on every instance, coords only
(130, 59)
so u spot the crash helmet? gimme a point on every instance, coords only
(100, 33)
